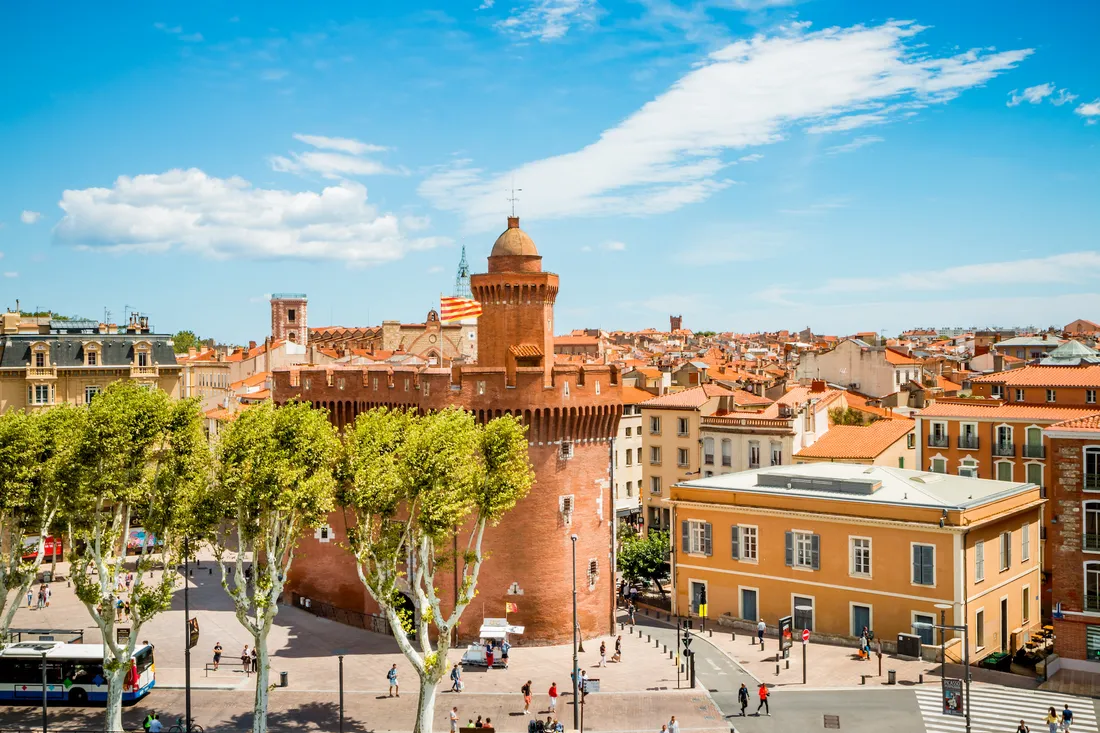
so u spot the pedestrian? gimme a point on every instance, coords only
(454, 719)
(155, 726)
(504, 647)
(673, 726)
(489, 654)
(125, 607)
(1067, 717)
(246, 660)
(664, 727)
(584, 684)
(1023, 728)
(479, 724)
(763, 692)
(49, 594)
(603, 653)
(148, 720)
(41, 597)
(456, 679)
(618, 657)
(217, 655)
(526, 690)
(743, 698)
(760, 629)
(30, 596)
(391, 677)
(553, 694)
(255, 653)
(630, 610)
(1052, 721)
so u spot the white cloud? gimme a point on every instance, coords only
(549, 20)
(342, 144)
(1032, 95)
(750, 158)
(11, 274)
(29, 217)
(225, 218)
(747, 94)
(192, 38)
(614, 246)
(174, 30)
(486, 4)
(856, 144)
(1064, 97)
(348, 161)
(1089, 110)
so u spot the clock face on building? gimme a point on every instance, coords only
(431, 338)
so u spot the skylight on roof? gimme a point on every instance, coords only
(927, 478)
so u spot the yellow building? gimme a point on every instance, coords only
(861, 546)
(72, 361)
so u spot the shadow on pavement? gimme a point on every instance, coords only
(323, 716)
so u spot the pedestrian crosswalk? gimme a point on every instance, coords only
(995, 709)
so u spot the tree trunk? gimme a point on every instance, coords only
(259, 710)
(425, 705)
(115, 681)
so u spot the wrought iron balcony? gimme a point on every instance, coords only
(1092, 481)
(1034, 451)
(937, 441)
(1004, 449)
(968, 442)
(1091, 542)
(1092, 602)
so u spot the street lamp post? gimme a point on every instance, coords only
(943, 643)
(965, 659)
(187, 637)
(576, 667)
(341, 658)
(45, 703)
(804, 644)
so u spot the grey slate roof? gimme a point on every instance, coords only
(1072, 353)
(116, 350)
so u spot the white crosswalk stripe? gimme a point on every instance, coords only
(995, 709)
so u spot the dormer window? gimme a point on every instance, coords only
(91, 354)
(143, 358)
(39, 359)
(93, 358)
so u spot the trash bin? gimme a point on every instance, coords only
(47, 576)
(891, 677)
(284, 681)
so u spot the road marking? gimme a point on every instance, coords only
(994, 709)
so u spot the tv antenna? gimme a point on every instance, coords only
(513, 198)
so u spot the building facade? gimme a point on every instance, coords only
(842, 546)
(571, 413)
(871, 370)
(628, 457)
(290, 318)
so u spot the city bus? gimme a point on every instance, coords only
(74, 673)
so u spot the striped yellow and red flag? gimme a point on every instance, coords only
(511, 608)
(455, 309)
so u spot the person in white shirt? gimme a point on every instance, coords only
(673, 726)
(454, 719)
(760, 629)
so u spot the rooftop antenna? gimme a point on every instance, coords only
(513, 199)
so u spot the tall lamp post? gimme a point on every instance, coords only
(576, 667)
(187, 628)
(965, 659)
(45, 721)
(943, 644)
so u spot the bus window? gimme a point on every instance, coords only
(84, 673)
(143, 660)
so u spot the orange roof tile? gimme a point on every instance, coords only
(257, 396)
(899, 359)
(633, 396)
(1086, 424)
(1045, 376)
(858, 441)
(695, 397)
(523, 350)
(994, 410)
(946, 384)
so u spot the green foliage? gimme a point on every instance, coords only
(644, 557)
(184, 340)
(848, 416)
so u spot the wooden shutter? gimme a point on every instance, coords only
(926, 565)
(735, 541)
(790, 548)
(685, 537)
(706, 539)
(815, 551)
(916, 563)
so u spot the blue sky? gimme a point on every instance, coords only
(752, 164)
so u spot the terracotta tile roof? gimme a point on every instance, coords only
(1086, 424)
(898, 359)
(798, 395)
(576, 341)
(635, 396)
(859, 402)
(946, 384)
(858, 441)
(523, 350)
(695, 397)
(1045, 376)
(994, 410)
(257, 396)
(220, 413)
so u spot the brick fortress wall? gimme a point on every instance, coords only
(1064, 547)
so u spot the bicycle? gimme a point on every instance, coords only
(181, 727)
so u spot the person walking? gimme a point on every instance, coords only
(255, 654)
(664, 727)
(618, 656)
(504, 647)
(489, 654)
(155, 726)
(1052, 721)
(630, 610)
(246, 660)
(41, 597)
(743, 698)
(673, 726)
(1022, 728)
(1067, 717)
(30, 596)
(48, 595)
(454, 719)
(603, 653)
(553, 694)
(391, 677)
(760, 629)
(217, 655)
(456, 679)
(526, 690)
(584, 684)
(763, 692)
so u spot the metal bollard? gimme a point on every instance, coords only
(710, 633)
(681, 668)
(656, 643)
(665, 647)
(648, 639)
(733, 636)
(920, 678)
(777, 669)
(788, 663)
(670, 655)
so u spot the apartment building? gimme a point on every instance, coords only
(206, 376)
(748, 438)
(871, 370)
(889, 443)
(628, 457)
(841, 546)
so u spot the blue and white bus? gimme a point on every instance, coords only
(74, 673)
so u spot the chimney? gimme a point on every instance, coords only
(251, 345)
(817, 385)
(191, 352)
(513, 222)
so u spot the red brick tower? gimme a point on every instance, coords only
(289, 320)
(571, 413)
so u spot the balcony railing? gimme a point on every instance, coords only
(937, 441)
(754, 464)
(1004, 449)
(968, 442)
(1092, 602)
(1034, 451)
(144, 372)
(1092, 481)
(727, 461)
(1091, 542)
(708, 458)
(46, 372)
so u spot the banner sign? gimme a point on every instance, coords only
(953, 697)
(786, 633)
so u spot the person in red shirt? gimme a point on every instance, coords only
(763, 700)
(553, 693)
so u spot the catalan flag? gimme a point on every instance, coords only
(511, 608)
(455, 309)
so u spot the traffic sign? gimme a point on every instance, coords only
(805, 635)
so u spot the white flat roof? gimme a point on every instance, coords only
(874, 484)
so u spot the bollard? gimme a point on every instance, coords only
(670, 654)
(647, 639)
(666, 647)
(733, 636)
(710, 633)
(681, 668)
(863, 679)
(656, 643)
(777, 669)
(788, 662)
(920, 678)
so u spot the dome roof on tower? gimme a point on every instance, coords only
(514, 242)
